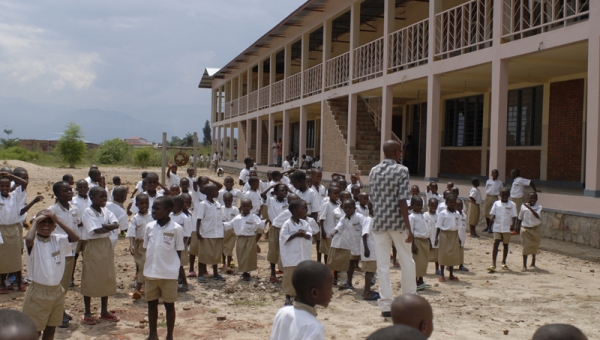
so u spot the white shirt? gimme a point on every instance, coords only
(184, 221)
(211, 225)
(162, 244)
(446, 221)
(286, 166)
(81, 204)
(370, 242)
(492, 188)
(519, 183)
(297, 250)
(312, 199)
(262, 186)
(234, 192)
(476, 195)
(173, 179)
(137, 224)
(121, 216)
(10, 207)
(139, 186)
(317, 164)
(441, 207)
(89, 180)
(247, 225)
(159, 193)
(349, 233)
(46, 261)
(320, 190)
(256, 199)
(527, 217)
(244, 174)
(216, 157)
(274, 207)
(292, 323)
(432, 195)
(363, 211)
(461, 221)
(328, 218)
(503, 215)
(281, 218)
(430, 220)
(93, 220)
(229, 213)
(418, 225)
(70, 218)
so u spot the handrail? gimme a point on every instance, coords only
(375, 114)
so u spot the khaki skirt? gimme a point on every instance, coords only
(339, 259)
(487, 205)
(287, 287)
(66, 279)
(140, 259)
(473, 216)
(325, 246)
(530, 239)
(185, 257)
(449, 250)
(11, 249)
(433, 255)
(273, 254)
(194, 244)
(210, 251)
(422, 257)
(229, 242)
(369, 266)
(518, 202)
(462, 255)
(245, 250)
(98, 274)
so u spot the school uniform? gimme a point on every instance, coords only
(448, 241)
(516, 191)
(313, 203)
(286, 166)
(262, 186)
(369, 264)
(159, 193)
(297, 322)
(504, 213)
(211, 231)
(431, 220)
(441, 207)
(293, 252)
(173, 179)
(185, 221)
(461, 220)
(320, 190)
(70, 217)
(121, 215)
(345, 245)
(531, 233)
(11, 232)
(274, 209)
(194, 241)
(329, 222)
(352, 185)
(421, 235)
(256, 199)
(244, 175)
(246, 228)
(140, 186)
(437, 196)
(492, 190)
(81, 203)
(45, 298)
(229, 237)
(363, 211)
(162, 260)
(98, 274)
(474, 208)
(234, 192)
(136, 230)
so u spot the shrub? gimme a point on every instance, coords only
(112, 151)
(19, 153)
(71, 145)
(143, 157)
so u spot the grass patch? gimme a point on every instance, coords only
(162, 324)
(213, 311)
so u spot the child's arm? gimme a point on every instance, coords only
(219, 185)
(513, 226)
(129, 213)
(263, 195)
(132, 195)
(73, 236)
(357, 175)
(17, 180)
(34, 201)
(30, 237)
(532, 211)
(437, 236)
(132, 245)
(366, 245)
(532, 185)
(338, 174)
(167, 191)
(198, 222)
(299, 233)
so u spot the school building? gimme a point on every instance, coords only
(474, 85)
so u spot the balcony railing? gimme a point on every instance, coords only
(227, 110)
(368, 60)
(277, 93)
(253, 101)
(243, 105)
(463, 29)
(526, 18)
(263, 98)
(313, 80)
(409, 46)
(337, 71)
(235, 108)
(293, 87)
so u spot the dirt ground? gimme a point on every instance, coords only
(564, 289)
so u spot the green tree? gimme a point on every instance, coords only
(9, 142)
(206, 130)
(142, 157)
(175, 141)
(188, 140)
(112, 151)
(71, 146)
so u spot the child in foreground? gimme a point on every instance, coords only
(504, 219)
(312, 282)
(531, 234)
(135, 234)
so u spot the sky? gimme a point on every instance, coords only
(69, 59)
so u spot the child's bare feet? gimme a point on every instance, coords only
(152, 337)
(524, 269)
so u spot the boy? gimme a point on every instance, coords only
(516, 190)
(89, 177)
(474, 207)
(45, 253)
(531, 234)
(312, 282)
(179, 217)
(461, 221)
(68, 178)
(275, 205)
(311, 197)
(431, 219)
(446, 239)
(369, 262)
(254, 195)
(328, 221)
(163, 240)
(95, 177)
(82, 202)
(98, 275)
(228, 188)
(138, 186)
(209, 228)
(135, 234)
(421, 243)
(558, 331)
(248, 229)
(363, 205)
(116, 183)
(151, 184)
(413, 311)
(432, 192)
(116, 207)
(172, 178)
(229, 212)
(317, 177)
(504, 219)
(245, 173)
(287, 163)
(492, 190)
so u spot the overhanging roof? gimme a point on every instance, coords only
(207, 77)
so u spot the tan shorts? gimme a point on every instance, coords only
(161, 288)
(504, 237)
(287, 287)
(354, 257)
(194, 244)
(185, 257)
(487, 205)
(44, 305)
(369, 266)
(518, 202)
(139, 258)
(66, 279)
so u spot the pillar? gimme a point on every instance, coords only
(304, 60)
(302, 137)
(351, 142)
(248, 136)
(592, 138)
(287, 68)
(258, 152)
(271, 133)
(435, 6)
(389, 20)
(286, 134)
(498, 118)
(432, 150)
(354, 36)
(214, 140)
(232, 140)
(387, 104)
(485, 134)
(326, 51)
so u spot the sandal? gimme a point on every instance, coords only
(374, 297)
(505, 267)
(183, 289)
(442, 279)
(491, 269)
(88, 321)
(278, 272)
(345, 286)
(229, 271)
(454, 278)
(111, 318)
(192, 274)
(218, 278)
(273, 279)
(201, 279)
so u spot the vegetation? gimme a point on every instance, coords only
(19, 153)
(207, 131)
(143, 157)
(71, 146)
(9, 142)
(112, 151)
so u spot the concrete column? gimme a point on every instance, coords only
(259, 141)
(261, 71)
(287, 69)
(304, 60)
(271, 133)
(219, 140)
(302, 139)
(485, 134)
(351, 142)
(592, 138)
(286, 134)
(232, 140)
(435, 6)
(213, 106)
(354, 34)
(387, 104)
(248, 136)
(389, 25)
(432, 150)
(326, 49)
(498, 117)
(213, 146)
(322, 127)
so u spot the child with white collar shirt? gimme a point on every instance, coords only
(431, 219)
(461, 221)
(275, 206)
(210, 231)
(421, 243)
(135, 234)
(328, 220)
(229, 213)
(178, 216)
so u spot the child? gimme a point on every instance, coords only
(151, 184)
(431, 219)
(275, 205)
(414, 311)
(245, 173)
(254, 195)
(432, 192)
(504, 219)
(172, 178)
(442, 204)
(312, 282)
(354, 181)
(311, 197)
(355, 191)
(516, 190)
(461, 221)
(179, 217)
(46, 252)
(68, 178)
(175, 190)
(287, 163)
(82, 202)
(229, 212)
(116, 207)
(117, 183)
(209, 228)
(474, 207)
(138, 186)
(98, 275)
(163, 240)
(89, 178)
(363, 206)
(187, 206)
(492, 190)
(295, 245)
(185, 185)
(447, 239)
(531, 234)
(369, 262)
(191, 175)
(228, 188)
(317, 177)
(328, 221)
(248, 229)
(449, 186)
(557, 331)
(135, 233)
(421, 243)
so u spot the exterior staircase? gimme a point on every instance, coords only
(368, 138)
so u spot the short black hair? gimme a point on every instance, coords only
(279, 186)
(416, 200)
(475, 180)
(397, 332)
(227, 194)
(332, 187)
(94, 172)
(165, 201)
(248, 160)
(13, 323)
(298, 176)
(558, 331)
(116, 179)
(151, 175)
(295, 205)
(66, 177)
(81, 181)
(119, 190)
(308, 275)
(184, 179)
(144, 174)
(56, 187)
(253, 179)
(276, 173)
(517, 172)
(177, 200)
(96, 190)
(142, 196)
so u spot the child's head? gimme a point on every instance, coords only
(276, 176)
(414, 190)
(175, 190)
(353, 178)
(451, 203)
(249, 162)
(187, 201)
(68, 178)
(298, 208)
(119, 194)
(98, 196)
(355, 191)
(5, 186)
(254, 182)
(446, 193)
(313, 283)
(116, 180)
(432, 205)
(45, 222)
(349, 207)
(397, 332)
(344, 195)
(532, 198)
(17, 326)
(504, 195)
(162, 207)
(151, 181)
(281, 191)
(142, 202)
(475, 182)
(459, 205)
(177, 203)
(514, 173)
(298, 180)
(202, 181)
(495, 174)
(93, 167)
(433, 186)
(21, 173)
(335, 178)
(173, 168)
(317, 176)
(450, 185)
(414, 311)
(245, 206)
(211, 192)
(62, 191)
(309, 181)
(82, 188)
(333, 192)
(270, 175)
(342, 183)
(363, 199)
(6, 169)
(190, 172)
(144, 174)
(184, 185)
(228, 183)
(95, 175)
(454, 191)
(253, 172)
(417, 204)
(228, 199)
(558, 331)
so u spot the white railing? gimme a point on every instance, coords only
(374, 107)
(313, 80)
(465, 28)
(368, 60)
(337, 71)
(235, 108)
(243, 105)
(277, 95)
(263, 97)
(227, 110)
(253, 101)
(526, 18)
(293, 87)
(409, 46)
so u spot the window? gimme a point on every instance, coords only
(463, 121)
(525, 117)
(310, 134)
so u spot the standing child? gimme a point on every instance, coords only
(254, 195)
(163, 240)
(98, 275)
(151, 189)
(328, 221)
(209, 228)
(504, 219)
(447, 239)
(474, 207)
(275, 206)
(531, 234)
(82, 202)
(228, 188)
(229, 212)
(363, 205)
(139, 186)
(421, 243)
(432, 192)
(116, 183)
(172, 178)
(312, 199)
(135, 234)
(431, 219)
(461, 221)
(369, 261)
(518, 185)
(116, 207)
(317, 177)
(178, 216)
(492, 191)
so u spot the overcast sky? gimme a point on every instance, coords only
(113, 54)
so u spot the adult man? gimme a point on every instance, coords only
(279, 152)
(389, 192)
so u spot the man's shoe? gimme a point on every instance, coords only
(386, 314)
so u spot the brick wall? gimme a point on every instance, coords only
(334, 147)
(527, 161)
(241, 141)
(565, 131)
(460, 162)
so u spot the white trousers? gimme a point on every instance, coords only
(383, 247)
